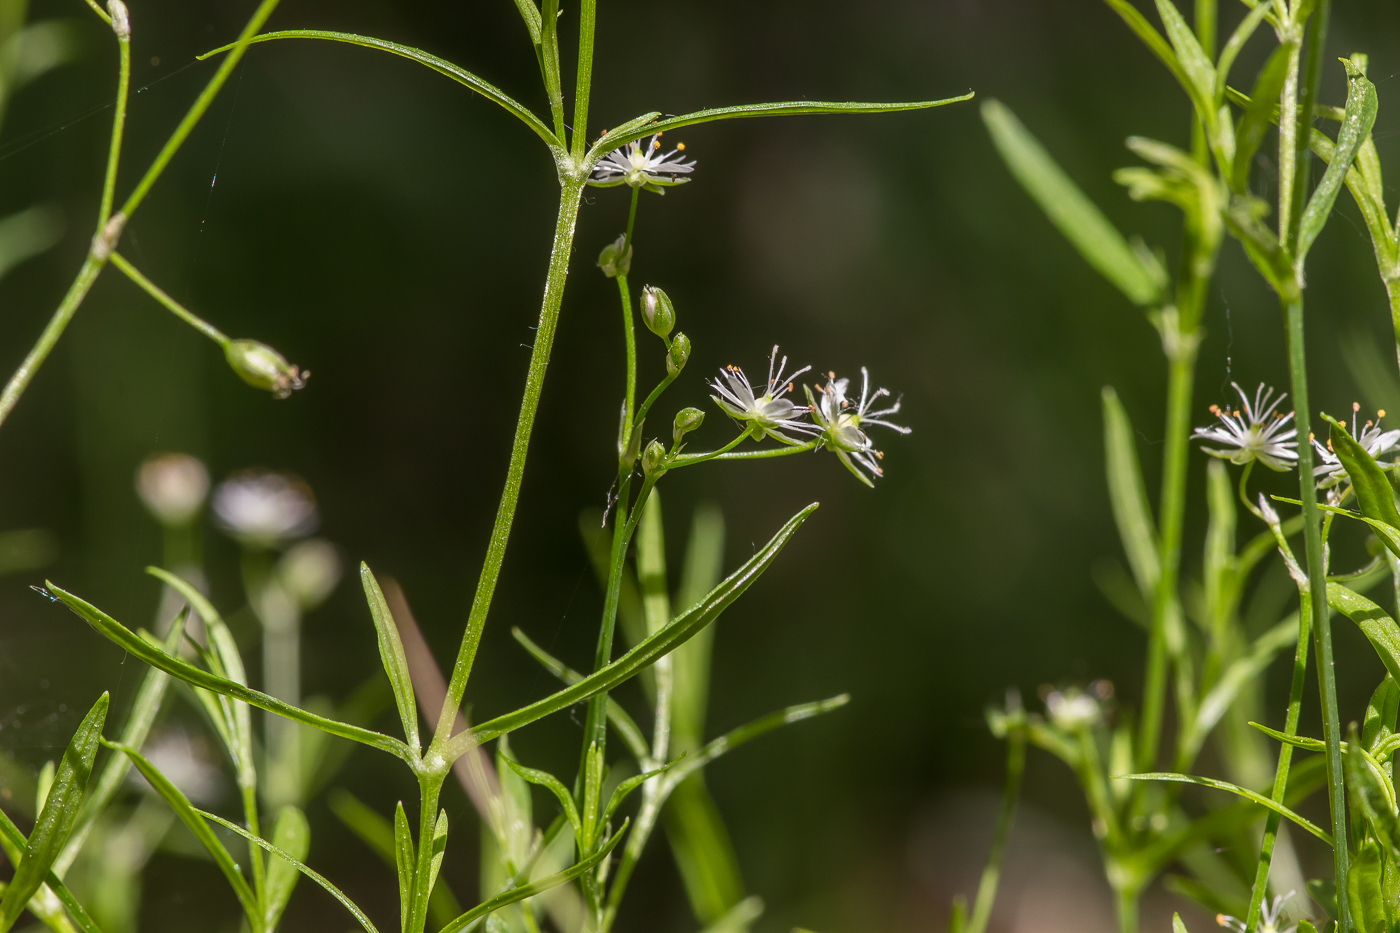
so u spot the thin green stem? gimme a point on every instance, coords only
(201, 104)
(179, 310)
(429, 787)
(724, 453)
(569, 197)
(92, 266)
(549, 53)
(1317, 584)
(991, 874)
(583, 86)
(1285, 758)
(114, 149)
(631, 221)
(248, 796)
(654, 395)
(629, 337)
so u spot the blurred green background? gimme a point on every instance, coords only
(388, 230)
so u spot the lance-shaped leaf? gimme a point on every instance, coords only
(1150, 37)
(1233, 46)
(291, 834)
(1366, 898)
(196, 825)
(1195, 64)
(1381, 711)
(621, 792)
(1258, 113)
(1244, 792)
(1068, 208)
(552, 784)
(404, 862)
(787, 108)
(14, 842)
(1127, 494)
(531, 15)
(296, 863)
(1356, 127)
(1373, 491)
(1378, 627)
(58, 815)
(441, 66)
(392, 655)
(673, 635)
(177, 667)
(471, 918)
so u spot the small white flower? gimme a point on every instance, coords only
(841, 422)
(769, 414)
(1072, 709)
(264, 509)
(1377, 443)
(1269, 916)
(1255, 431)
(173, 487)
(643, 166)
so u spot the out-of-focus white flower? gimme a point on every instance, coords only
(309, 571)
(1073, 709)
(1255, 431)
(265, 509)
(840, 422)
(768, 414)
(173, 487)
(641, 165)
(1377, 443)
(1269, 916)
(186, 763)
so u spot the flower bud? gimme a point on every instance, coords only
(121, 20)
(173, 487)
(614, 259)
(678, 354)
(264, 368)
(658, 312)
(653, 458)
(309, 572)
(687, 420)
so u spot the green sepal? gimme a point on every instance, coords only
(392, 655)
(59, 813)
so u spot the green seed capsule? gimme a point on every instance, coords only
(264, 368)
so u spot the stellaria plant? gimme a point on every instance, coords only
(582, 845)
(1201, 650)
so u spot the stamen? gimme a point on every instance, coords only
(1355, 406)
(680, 147)
(1380, 413)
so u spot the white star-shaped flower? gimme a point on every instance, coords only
(769, 414)
(1269, 916)
(841, 422)
(1330, 472)
(1255, 431)
(643, 166)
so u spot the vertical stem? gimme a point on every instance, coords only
(632, 221)
(114, 150)
(991, 874)
(1317, 584)
(45, 344)
(583, 86)
(549, 59)
(1288, 145)
(429, 786)
(630, 341)
(569, 197)
(1285, 758)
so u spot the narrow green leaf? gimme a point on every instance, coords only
(1127, 494)
(58, 815)
(1195, 64)
(673, 635)
(1356, 127)
(702, 570)
(1068, 208)
(1237, 790)
(552, 784)
(620, 793)
(1258, 113)
(731, 740)
(1378, 627)
(439, 844)
(1219, 568)
(392, 655)
(531, 15)
(441, 66)
(1297, 741)
(469, 919)
(1373, 490)
(14, 840)
(1150, 37)
(1233, 46)
(116, 632)
(404, 862)
(320, 879)
(193, 820)
(1365, 901)
(374, 830)
(1381, 711)
(1177, 925)
(291, 834)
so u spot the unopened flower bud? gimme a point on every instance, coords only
(653, 458)
(678, 354)
(173, 487)
(614, 259)
(658, 312)
(309, 572)
(264, 368)
(121, 20)
(687, 420)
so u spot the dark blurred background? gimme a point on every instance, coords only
(389, 230)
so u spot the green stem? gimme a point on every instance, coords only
(179, 310)
(429, 787)
(991, 874)
(549, 51)
(114, 149)
(1125, 904)
(248, 795)
(631, 221)
(1317, 585)
(569, 198)
(724, 453)
(654, 395)
(583, 86)
(1285, 758)
(629, 336)
(92, 266)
